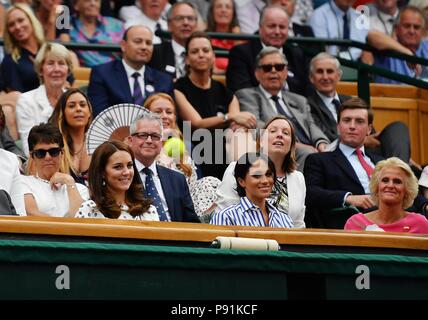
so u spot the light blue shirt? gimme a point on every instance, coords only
(350, 154)
(400, 66)
(246, 213)
(327, 22)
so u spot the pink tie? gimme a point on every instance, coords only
(369, 170)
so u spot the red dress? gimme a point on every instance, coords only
(221, 63)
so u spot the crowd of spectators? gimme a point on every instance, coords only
(274, 145)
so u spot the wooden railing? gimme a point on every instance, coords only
(203, 233)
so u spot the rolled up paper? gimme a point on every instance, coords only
(246, 243)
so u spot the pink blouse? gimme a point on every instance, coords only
(412, 223)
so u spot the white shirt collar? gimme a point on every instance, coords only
(348, 151)
(328, 99)
(130, 71)
(268, 95)
(152, 167)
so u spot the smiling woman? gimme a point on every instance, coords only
(393, 187)
(50, 191)
(255, 176)
(115, 190)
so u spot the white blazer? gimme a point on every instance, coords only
(227, 194)
(32, 108)
(10, 180)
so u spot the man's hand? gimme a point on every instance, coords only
(360, 201)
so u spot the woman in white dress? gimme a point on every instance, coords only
(50, 191)
(115, 191)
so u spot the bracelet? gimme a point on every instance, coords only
(72, 186)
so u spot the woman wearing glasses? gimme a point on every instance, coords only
(50, 192)
(207, 104)
(115, 190)
(255, 176)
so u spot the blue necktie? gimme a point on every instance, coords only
(300, 133)
(345, 27)
(152, 192)
(137, 94)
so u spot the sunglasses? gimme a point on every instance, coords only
(41, 153)
(144, 136)
(269, 67)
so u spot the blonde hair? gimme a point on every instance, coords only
(10, 44)
(55, 50)
(410, 183)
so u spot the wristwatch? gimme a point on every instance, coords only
(225, 116)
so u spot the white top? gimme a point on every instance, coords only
(55, 203)
(10, 180)
(227, 194)
(157, 182)
(132, 15)
(32, 108)
(248, 14)
(89, 209)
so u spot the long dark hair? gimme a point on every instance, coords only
(58, 119)
(98, 191)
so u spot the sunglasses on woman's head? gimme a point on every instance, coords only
(269, 67)
(41, 153)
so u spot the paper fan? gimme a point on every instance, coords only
(112, 124)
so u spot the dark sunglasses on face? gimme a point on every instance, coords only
(144, 136)
(269, 67)
(41, 153)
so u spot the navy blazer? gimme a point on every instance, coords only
(177, 194)
(329, 176)
(108, 85)
(242, 65)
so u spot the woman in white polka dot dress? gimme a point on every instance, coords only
(114, 189)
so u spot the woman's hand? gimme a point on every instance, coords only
(59, 179)
(245, 119)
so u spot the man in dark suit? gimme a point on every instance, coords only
(269, 99)
(168, 56)
(273, 32)
(325, 73)
(337, 179)
(167, 188)
(128, 80)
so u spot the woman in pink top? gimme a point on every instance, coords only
(394, 187)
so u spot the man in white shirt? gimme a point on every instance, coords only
(150, 13)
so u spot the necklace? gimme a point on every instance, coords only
(41, 179)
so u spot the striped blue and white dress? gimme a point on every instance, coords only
(246, 213)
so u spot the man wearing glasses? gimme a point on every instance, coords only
(169, 55)
(269, 99)
(167, 188)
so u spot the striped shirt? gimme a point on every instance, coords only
(246, 213)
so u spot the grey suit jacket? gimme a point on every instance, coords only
(253, 100)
